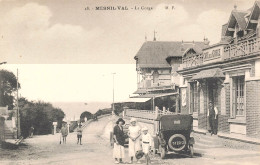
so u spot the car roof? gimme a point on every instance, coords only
(171, 116)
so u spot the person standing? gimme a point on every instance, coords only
(79, 134)
(31, 132)
(134, 139)
(146, 144)
(212, 116)
(119, 140)
(64, 132)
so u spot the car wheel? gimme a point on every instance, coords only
(162, 152)
(191, 150)
(177, 142)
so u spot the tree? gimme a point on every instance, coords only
(40, 115)
(8, 86)
(86, 114)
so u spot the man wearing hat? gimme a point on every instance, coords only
(119, 139)
(212, 117)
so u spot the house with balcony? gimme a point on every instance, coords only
(228, 74)
(157, 79)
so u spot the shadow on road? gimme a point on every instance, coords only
(182, 156)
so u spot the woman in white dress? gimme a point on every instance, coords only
(134, 139)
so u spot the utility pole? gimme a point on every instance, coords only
(17, 104)
(113, 106)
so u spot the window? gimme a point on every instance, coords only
(238, 96)
(193, 97)
(155, 77)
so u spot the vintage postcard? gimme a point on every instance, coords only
(154, 82)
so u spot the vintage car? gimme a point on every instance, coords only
(125, 129)
(173, 134)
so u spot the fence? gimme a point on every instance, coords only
(146, 114)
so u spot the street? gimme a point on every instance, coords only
(96, 150)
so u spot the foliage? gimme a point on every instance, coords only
(8, 87)
(40, 115)
(103, 111)
(86, 114)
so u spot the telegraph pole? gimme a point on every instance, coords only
(17, 104)
(113, 106)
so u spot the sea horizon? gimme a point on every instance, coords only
(74, 109)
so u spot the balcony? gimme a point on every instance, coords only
(192, 61)
(211, 54)
(243, 48)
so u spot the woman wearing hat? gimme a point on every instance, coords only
(134, 140)
(119, 139)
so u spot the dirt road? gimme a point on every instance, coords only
(96, 150)
(47, 150)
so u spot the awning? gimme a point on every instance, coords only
(146, 97)
(155, 95)
(137, 100)
(210, 73)
(140, 91)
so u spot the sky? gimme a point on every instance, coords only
(66, 53)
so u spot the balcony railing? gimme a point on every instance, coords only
(192, 61)
(242, 48)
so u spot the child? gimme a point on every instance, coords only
(146, 143)
(79, 134)
(64, 132)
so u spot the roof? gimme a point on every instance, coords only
(210, 73)
(196, 50)
(140, 91)
(254, 14)
(175, 122)
(151, 95)
(153, 54)
(236, 17)
(137, 100)
(240, 18)
(224, 29)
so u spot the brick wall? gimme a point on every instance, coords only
(202, 117)
(253, 108)
(227, 92)
(223, 125)
(202, 121)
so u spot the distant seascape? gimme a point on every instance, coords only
(74, 109)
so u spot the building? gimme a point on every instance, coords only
(157, 79)
(7, 127)
(228, 74)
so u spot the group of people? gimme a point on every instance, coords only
(64, 133)
(140, 141)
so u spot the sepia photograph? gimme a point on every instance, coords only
(152, 82)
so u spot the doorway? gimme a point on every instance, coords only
(212, 87)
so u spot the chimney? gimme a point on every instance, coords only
(235, 7)
(206, 41)
(182, 46)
